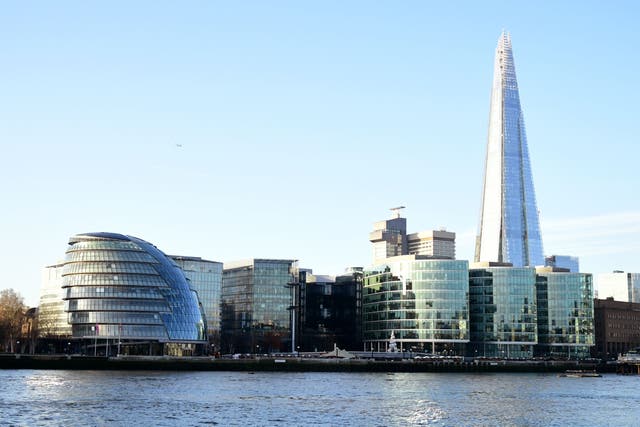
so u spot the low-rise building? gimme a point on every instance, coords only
(617, 327)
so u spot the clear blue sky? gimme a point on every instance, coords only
(301, 123)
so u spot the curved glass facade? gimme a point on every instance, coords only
(121, 287)
(424, 303)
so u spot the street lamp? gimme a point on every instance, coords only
(17, 346)
(298, 351)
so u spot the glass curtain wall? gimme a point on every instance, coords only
(423, 303)
(122, 291)
(503, 312)
(256, 302)
(565, 315)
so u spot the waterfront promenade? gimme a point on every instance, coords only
(286, 364)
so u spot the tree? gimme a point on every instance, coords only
(12, 311)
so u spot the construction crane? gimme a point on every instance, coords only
(397, 210)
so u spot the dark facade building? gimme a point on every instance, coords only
(328, 311)
(256, 305)
(124, 295)
(617, 327)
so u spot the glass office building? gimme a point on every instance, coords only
(121, 290)
(206, 278)
(423, 302)
(509, 230)
(52, 314)
(565, 314)
(570, 263)
(502, 302)
(256, 305)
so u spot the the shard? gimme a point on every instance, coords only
(509, 230)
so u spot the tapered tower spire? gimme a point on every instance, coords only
(509, 229)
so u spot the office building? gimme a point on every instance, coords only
(509, 230)
(617, 327)
(570, 263)
(389, 239)
(124, 295)
(565, 313)
(433, 243)
(52, 315)
(329, 311)
(502, 301)
(619, 285)
(422, 302)
(257, 297)
(206, 278)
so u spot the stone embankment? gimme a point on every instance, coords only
(286, 364)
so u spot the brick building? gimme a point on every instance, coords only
(617, 327)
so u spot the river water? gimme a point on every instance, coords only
(149, 398)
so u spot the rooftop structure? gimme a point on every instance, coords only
(390, 239)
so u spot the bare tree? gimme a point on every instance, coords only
(12, 311)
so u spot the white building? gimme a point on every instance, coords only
(618, 285)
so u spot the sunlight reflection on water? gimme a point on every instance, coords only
(238, 398)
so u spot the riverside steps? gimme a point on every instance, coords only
(286, 364)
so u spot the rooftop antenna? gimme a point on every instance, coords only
(397, 210)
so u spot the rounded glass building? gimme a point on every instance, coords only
(422, 302)
(123, 295)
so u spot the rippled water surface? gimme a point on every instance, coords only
(74, 398)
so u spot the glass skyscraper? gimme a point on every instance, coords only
(509, 230)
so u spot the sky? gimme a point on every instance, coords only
(233, 130)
